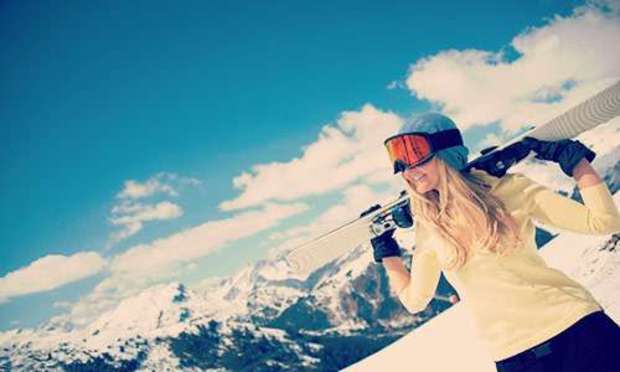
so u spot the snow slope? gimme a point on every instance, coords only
(448, 342)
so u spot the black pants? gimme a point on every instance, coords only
(592, 344)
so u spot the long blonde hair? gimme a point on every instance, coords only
(465, 214)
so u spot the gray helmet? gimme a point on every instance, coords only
(432, 122)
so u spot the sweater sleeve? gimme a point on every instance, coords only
(598, 214)
(424, 277)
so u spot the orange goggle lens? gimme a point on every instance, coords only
(408, 150)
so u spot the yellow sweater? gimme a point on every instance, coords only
(517, 301)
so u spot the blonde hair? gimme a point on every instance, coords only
(465, 214)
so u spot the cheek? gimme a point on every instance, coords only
(407, 178)
(434, 178)
(431, 180)
(432, 172)
(408, 182)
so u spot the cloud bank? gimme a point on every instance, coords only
(50, 272)
(164, 254)
(556, 67)
(347, 151)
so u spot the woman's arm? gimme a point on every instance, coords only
(397, 273)
(585, 175)
(597, 215)
(415, 289)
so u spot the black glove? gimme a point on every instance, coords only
(567, 153)
(402, 216)
(496, 163)
(384, 245)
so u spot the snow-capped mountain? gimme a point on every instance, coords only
(166, 326)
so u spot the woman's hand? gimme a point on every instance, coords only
(384, 246)
(567, 153)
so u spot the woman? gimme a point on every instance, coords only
(477, 229)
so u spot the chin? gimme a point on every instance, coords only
(423, 190)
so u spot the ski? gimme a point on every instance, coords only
(319, 251)
(342, 239)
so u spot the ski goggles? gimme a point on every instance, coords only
(409, 150)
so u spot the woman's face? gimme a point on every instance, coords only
(424, 177)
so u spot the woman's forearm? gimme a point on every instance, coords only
(585, 174)
(397, 273)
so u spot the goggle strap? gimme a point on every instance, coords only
(445, 139)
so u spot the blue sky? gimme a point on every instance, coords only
(97, 94)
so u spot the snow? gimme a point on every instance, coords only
(443, 344)
(252, 288)
(274, 333)
(160, 358)
(160, 311)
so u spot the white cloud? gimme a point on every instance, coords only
(162, 182)
(139, 213)
(343, 153)
(131, 217)
(136, 190)
(491, 139)
(185, 246)
(50, 272)
(128, 230)
(558, 65)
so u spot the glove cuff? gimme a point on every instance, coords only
(580, 151)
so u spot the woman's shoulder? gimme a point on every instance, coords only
(514, 189)
(508, 181)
